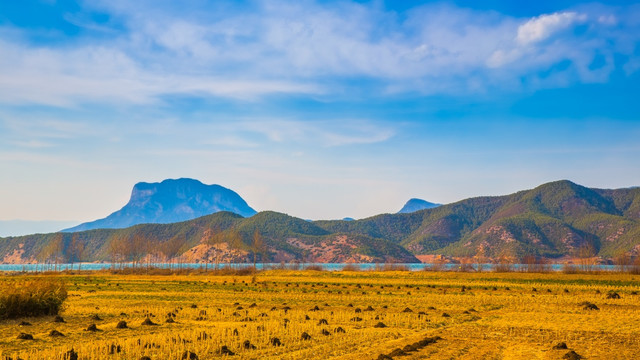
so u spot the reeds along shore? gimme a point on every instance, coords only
(527, 264)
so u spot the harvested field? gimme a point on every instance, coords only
(283, 314)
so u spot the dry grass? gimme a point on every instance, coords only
(496, 316)
(31, 298)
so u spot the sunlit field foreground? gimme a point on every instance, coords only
(283, 314)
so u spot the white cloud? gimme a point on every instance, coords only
(541, 27)
(309, 48)
(536, 60)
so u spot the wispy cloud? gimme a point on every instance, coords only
(104, 74)
(321, 133)
(43, 127)
(34, 144)
(311, 48)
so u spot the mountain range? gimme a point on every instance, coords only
(552, 220)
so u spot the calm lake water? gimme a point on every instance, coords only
(324, 266)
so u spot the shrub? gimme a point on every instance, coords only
(569, 269)
(313, 267)
(350, 267)
(31, 298)
(392, 267)
(503, 267)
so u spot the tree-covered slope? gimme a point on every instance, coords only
(555, 219)
(224, 236)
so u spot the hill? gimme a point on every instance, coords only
(170, 201)
(220, 237)
(555, 219)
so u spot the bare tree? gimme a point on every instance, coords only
(53, 251)
(235, 242)
(585, 254)
(622, 261)
(480, 259)
(536, 264)
(171, 249)
(76, 251)
(635, 265)
(113, 251)
(137, 249)
(505, 262)
(466, 264)
(439, 263)
(119, 249)
(43, 257)
(257, 246)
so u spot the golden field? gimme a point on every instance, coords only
(496, 316)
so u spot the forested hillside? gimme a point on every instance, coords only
(555, 219)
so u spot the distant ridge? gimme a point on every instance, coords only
(170, 201)
(414, 205)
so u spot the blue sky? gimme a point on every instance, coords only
(320, 109)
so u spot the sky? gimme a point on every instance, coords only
(319, 109)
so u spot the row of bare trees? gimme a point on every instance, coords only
(233, 239)
(139, 250)
(63, 250)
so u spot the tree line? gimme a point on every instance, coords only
(137, 250)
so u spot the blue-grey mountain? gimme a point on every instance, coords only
(170, 201)
(414, 205)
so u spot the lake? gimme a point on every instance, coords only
(324, 266)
